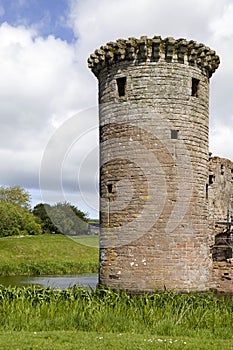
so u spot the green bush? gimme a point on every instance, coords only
(16, 220)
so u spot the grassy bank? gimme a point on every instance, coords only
(46, 254)
(89, 241)
(80, 319)
(73, 340)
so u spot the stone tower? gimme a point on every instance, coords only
(153, 112)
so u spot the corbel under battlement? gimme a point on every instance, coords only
(155, 49)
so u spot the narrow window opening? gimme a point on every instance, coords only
(222, 169)
(195, 87)
(222, 250)
(211, 179)
(207, 192)
(109, 188)
(121, 86)
(174, 134)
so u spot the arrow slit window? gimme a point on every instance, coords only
(195, 87)
(121, 86)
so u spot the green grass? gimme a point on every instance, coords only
(76, 318)
(46, 254)
(93, 221)
(73, 340)
(166, 314)
(90, 241)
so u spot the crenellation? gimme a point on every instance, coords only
(169, 49)
(181, 49)
(109, 54)
(156, 49)
(153, 50)
(131, 49)
(143, 48)
(119, 50)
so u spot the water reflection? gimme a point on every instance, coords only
(55, 281)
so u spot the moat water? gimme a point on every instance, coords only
(88, 280)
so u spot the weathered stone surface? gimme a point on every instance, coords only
(154, 49)
(155, 227)
(220, 190)
(220, 202)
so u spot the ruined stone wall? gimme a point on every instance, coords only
(222, 279)
(220, 190)
(154, 97)
(220, 202)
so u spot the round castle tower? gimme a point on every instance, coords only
(153, 111)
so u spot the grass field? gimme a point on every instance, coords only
(76, 318)
(47, 254)
(73, 340)
(89, 241)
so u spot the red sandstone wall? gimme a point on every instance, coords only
(154, 164)
(223, 276)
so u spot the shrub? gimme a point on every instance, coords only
(16, 220)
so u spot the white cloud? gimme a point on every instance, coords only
(41, 85)
(98, 21)
(221, 143)
(222, 25)
(40, 80)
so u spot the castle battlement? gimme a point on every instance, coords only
(155, 49)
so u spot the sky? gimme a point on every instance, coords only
(48, 96)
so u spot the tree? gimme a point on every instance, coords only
(62, 218)
(16, 220)
(16, 195)
(41, 211)
(15, 217)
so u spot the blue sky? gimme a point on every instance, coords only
(48, 16)
(45, 82)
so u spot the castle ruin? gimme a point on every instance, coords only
(164, 200)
